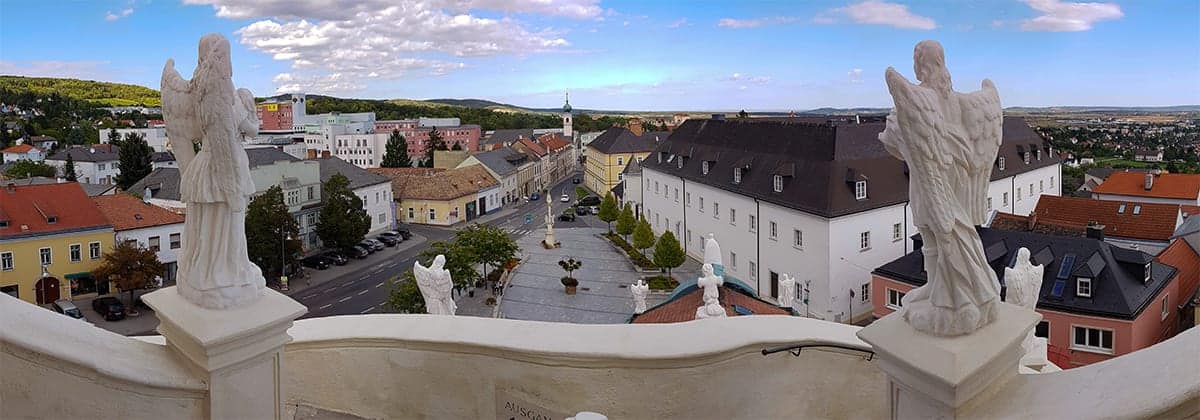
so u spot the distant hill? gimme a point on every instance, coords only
(101, 93)
(1103, 109)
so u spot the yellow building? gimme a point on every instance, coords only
(442, 197)
(609, 153)
(51, 237)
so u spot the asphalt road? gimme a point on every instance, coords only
(365, 290)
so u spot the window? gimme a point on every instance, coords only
(656, 187)
(753, 272)
(410, 213)
(1018, 193)
(6, 261)
(46, 257)
(655, 218)
(382, 218)
(860, 190)
(1004, 199)
(733, 260)
(1164, 307)
(864, 241)
(716, 210)
(989, 201)
(174, 238)
(797, 238)
(1083, 287)
(865, 292)
(620, 161)
(1039, 154)
(312, 193)
(1042, 329)
(1026, 157)
(1031, 189)
(100, 166)
(1137, 209)
(895, 299)
(1092, 339)
(1052, 182)
(774, 231)
(733, 216)
(702, 204)
(704, 167)
(687, 200)
(753, 223)
(688, 239)
(1041, 185)
(94, 250)
(76, 252)
(778, 181)
(737, 175)
(311, 218)
(154, 245)
(432, 214)
(676, 195)
(1148, 272)
(897, 233)
(1001, 164)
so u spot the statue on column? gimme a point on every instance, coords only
(787, 291)
(1024, 282)
(712, 251)
(711, 283)
(215, 271)
(550, 242)
(639, 291)
(435, 284)
(950, 141)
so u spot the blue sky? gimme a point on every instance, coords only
(634, 55)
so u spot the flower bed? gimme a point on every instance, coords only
(662, 283)
(634, 256)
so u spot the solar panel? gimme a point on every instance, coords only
(742, 310)
(1059, 285)
(1068, 262)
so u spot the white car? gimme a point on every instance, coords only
(565, 199)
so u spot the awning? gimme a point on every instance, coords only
(79, 275)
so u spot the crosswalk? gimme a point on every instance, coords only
(520, 231)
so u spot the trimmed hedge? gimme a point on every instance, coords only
(635, 256)
(662, 283)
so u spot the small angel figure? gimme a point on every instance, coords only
(639, 291)
(712, 251)
(435, 285)
(950, 141)
(1024, 282)
(787, 291)
(711, 283)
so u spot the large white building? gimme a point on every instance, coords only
(821, 201)
(156, 137)
(95, 164)
(375, 191)
(152, 227)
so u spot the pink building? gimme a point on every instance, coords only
(416, 132)
(1098, 301)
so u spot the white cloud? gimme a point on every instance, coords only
(110, 16)
(744, 79)
(855, 75)
(333, 45)
(878, 12)
(1061, 16)
(754, 23)
(678, 23)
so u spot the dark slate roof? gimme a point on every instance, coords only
(163, 183)
(1104, 173)
(819, 162)
(506, 136)
(267, 155)
(1019, 138)
(619, 190)
(358, 177)
(632, 168)
(93, 153)
(1117, 273)
(498, 160)
(621, 140)
(162, 157)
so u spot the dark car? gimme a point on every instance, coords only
(375, 244)
(404, 232)
(335, 258)
(316, 262)
(388, 240)
(590, 200)
(370, 247)
(357, 252)
(567, 217)
(575, 181)
(67, 308)
(109, 308)
(583, 210)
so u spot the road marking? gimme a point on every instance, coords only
(367, 310)
(379, 285)
(308, 296)
(326, 306)
(363, 292)
(347, 284)
(375, 272)
(344, 299)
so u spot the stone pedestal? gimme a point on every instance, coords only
(239, 350)
(935, 377)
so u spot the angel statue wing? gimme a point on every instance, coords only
(179, 107)
(921, 130)
(983, 118)
(426, 279)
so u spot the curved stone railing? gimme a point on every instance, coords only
(412, 366)
(52, 366)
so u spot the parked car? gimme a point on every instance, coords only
(575, 181)
(316, 262)
(357, 252)
(394, 235)
(590, 200)
(67, 308)
(594, 209)
(110, 308)
(566, 217)
(565, 198)
(535, 197)
(583, 210)
(335, 258)
(389, 240)
(367, 245)
(569, 210)
(404, 232)
(375, 244)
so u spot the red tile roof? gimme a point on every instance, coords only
(127, 212)
(537, 149)
(1181, 256)
(1167, 185)
(683, 308)
(554, 142)
(1152, 221)
(29, 208)
(20, 148)
(1015, 223)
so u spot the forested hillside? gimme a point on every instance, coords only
(102, 93)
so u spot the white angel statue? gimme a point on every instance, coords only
(787, 291)
(711, 283)
(639, 291)
(950, 141)
(1024, 282)
(214, 267)
(435, 285)
(712, 251)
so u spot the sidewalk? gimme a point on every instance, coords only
(318, 277)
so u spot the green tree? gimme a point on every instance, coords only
(133, 160)
(27, 168)
(130, 267)
(490, 245)
(69, 169)
(743, 114)
(435, 143)
(608, 210)
(460, 261)
(404, 296)
(570, 265)
(456, 146)
(643, 236)
(626, 223)
(76, 136)
(268, 229)
(580, 192)
(397, 152)
(343, 221)
(667, 252)
(113, 136)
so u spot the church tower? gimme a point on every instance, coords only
(566, 117)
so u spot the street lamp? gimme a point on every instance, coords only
(283, 280)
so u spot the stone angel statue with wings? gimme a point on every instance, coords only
(435, 284)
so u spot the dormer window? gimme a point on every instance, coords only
(704, 167)
(1039, 154)
(1148, 272)
(680, 162)
(1027, 157)
(1001, 164)
(1083, 287)
(860, 190)
(1121, 209)
(737, 175)
(778, 181)
(52, 219)
(660, 156)
(1137, 209)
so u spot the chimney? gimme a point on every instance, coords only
(312, 153)
(636, 128)
(92, 150)
(1095, 231)
(325, 154)
(856, 120)
(1149, 181)
(147, 195)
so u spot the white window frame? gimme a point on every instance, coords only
(732, 216)
(1001, 164)
(895, 299)
(897, 232)
(1080, 282)
(864, 241)
(737, 175)
(753, 221)
(687, 199)
(733, 260)
(1088, 347)
(46, 258)
(865, 292)
(7, 261)
(1146, 279)
(704, 167)
(753, 272)
(778, 183)
(432, 214)
(716, 210)
(94, 250)
(174, 241)
(797, 239)
(75, 252)
(774, 232)
(860, 190)
(1004, 199)
(1165, 311)
(702, 204)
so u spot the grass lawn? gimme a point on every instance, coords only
(1123, 163)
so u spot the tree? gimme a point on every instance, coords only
(460, 261)
(27, 168)
(113, 136)
(608, 210)
(435, 143)
(130, 267)
(397, 152)
(667, 252)
(133, 160)
(626, 223)
(69, 169)
(570, 265)
(268, 227)
(404, 296)
(76, 136)
(343, 221)
(456, 146)
(643, 236)
(743, 114)
(489, 244)
(580, 192)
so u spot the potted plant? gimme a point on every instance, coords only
(570, 265)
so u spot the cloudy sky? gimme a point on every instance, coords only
(634, 55)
